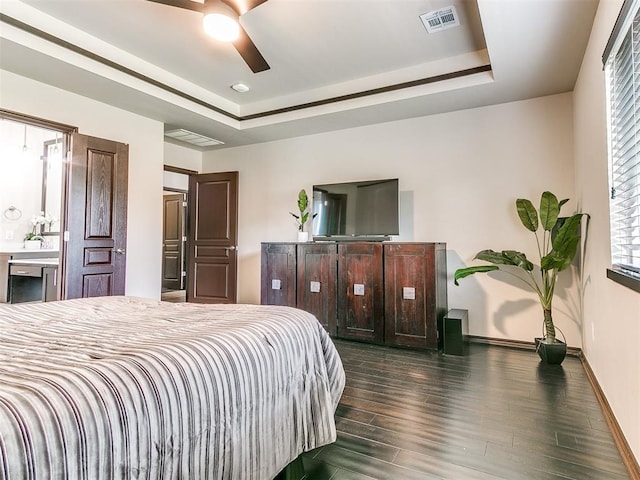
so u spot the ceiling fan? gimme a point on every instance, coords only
(227, 12)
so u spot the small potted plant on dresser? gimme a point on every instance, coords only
(303, 217)
(557, 247)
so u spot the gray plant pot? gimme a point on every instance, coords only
(551, 353)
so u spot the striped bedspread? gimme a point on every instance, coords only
(131, 388)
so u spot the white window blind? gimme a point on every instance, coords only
(622, 69)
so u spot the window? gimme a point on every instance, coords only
(622, 69)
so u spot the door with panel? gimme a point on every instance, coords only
(173, 240)
(213, 232)
(360, 291)
(317, 282)
(95, 237)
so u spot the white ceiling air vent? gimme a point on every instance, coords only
(193, 138)
(440, 19)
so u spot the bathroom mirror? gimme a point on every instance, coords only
(31, 179)
(52, 183)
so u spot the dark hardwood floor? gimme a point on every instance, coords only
(174, 296)
(496, 413)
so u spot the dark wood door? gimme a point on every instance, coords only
(360, 292)
(213, 231)
(173, 240)
(415, 293)
(94, 250)
(317, 282)
(278, 274)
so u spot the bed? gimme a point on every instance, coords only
(123, 387)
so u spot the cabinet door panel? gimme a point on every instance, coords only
(410, 299)
(278, 272)
(317, 282)
(360, 292)
(49, 284)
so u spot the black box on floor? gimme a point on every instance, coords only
(456, 330)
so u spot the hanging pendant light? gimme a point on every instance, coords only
(24, 143)
(56, 149)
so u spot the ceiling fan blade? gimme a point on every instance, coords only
(186, 4)
(242, 6)
(251, 4)
(249, 52)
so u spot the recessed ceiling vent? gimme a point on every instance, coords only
(439, 20)
(192, 138)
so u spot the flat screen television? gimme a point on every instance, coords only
(353, 210)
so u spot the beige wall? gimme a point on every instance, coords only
(145, 139)
(182, 157)
(611, 333)
(459, 173)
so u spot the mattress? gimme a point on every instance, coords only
(123, 387)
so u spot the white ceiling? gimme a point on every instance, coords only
(334, 63)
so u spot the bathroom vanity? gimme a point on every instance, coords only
(28, 276)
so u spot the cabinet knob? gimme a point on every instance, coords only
(120, 251)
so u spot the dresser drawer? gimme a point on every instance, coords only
(25, 271)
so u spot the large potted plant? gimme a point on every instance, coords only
(303, 205)
(557, 246)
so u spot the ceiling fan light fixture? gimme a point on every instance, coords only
(221, 22)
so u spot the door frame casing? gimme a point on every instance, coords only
(182, 240)
(190, 226)
(187, 219)
(66, 131)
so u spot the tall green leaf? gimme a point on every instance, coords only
(559, 260)
(565, 245)
(527, 213)
(549, 210)
(497, 258)
(465, 272)
(567, 240)
(568, 230)
(506, 257)
(303, 200)
(519, 259)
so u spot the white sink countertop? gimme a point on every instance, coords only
(45, 262)
(18, 249)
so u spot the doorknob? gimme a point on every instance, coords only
(120, 251)
(232, 247)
